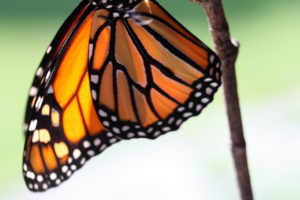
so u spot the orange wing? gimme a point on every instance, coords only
(153, 76)
(50, 55)
(116, 69)
(64, 130)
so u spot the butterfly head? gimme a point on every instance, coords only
(115, 4)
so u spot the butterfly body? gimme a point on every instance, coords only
(115, 70)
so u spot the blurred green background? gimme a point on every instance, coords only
(194, 162)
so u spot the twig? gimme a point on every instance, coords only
(227, 50)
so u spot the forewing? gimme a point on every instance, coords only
(64, 130)
(51, 53)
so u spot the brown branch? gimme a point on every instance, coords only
(227, 50)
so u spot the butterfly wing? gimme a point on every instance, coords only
(152, 76)
(64, 130)
(52, 51)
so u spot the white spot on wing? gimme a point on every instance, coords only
(171, 120)
(105, 123)
(157, 133)
(64, 169)
(70, 160)
(35, 137)
(58, 181)
(86, 144)
(130, 135)
(103, 147)
(208, 80)
(198, 107)
(45, 186)
(109, 134)
(116, 130)
(115, 15)
(180, 109)
(69, 173)
(53, 176)
(95, 78)
(191, 105)
(39, 102)
(49, 49)
(125, 128)
(214, 84)
(141, 134)
(73, 167)
(97, 142)
(198, 94)
(91, 47)
(82, 161)
(39, 178)
(208, 91)
(25, 167)
(102, 113)
(113, 118)
(150, 130)
(178, 122)
(32, 125)
(199, 86)
(113, 140)
(205, 100)
(76, 153)
(33, 91)
(50, 90)
(188, 114)
(94, 95)
(91, 153)
(166, 129)
(48, 75)
(39, 72)
(30, 175)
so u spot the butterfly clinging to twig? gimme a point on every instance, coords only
(115, 70)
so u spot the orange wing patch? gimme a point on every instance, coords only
(146, 115)
(180, 68)
(152, 8)
(73, 123)
(193, 51)
(72, 90)
(36, 159)
(175, 89)
(99, 19)
(106, 88)
(49, 157)
(162, 104)
(101, 49)
(90, 116)
(126, 111)
(128, 55)
(73, 65)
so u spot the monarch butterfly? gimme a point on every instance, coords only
(115, 70)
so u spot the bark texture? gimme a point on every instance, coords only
(227, 50)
